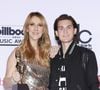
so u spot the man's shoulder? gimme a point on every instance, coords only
(84, 49)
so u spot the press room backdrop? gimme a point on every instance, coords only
(14, 12)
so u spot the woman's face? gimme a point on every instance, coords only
(35, 28)
(65, 31)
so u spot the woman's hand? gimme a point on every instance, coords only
(54, 51)
(7, 83)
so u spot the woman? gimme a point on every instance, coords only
(29, 63)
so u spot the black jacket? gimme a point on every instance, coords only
(71, 72)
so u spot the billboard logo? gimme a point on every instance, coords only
(10, 31)
(85, 38)
(11, 35)
(87, 34)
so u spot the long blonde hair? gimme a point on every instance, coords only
(44, 42)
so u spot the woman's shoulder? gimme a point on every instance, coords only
(12, 56)
(15, 49)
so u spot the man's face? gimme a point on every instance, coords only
(65, 31)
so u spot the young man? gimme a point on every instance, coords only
(73, 67)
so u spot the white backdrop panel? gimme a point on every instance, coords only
(14, 12)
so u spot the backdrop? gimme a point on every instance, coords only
(14, 12)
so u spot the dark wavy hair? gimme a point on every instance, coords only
(75, 25)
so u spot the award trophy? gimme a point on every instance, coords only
(21, 69)
(20, 65)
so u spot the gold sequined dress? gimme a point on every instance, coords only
(36, 76)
